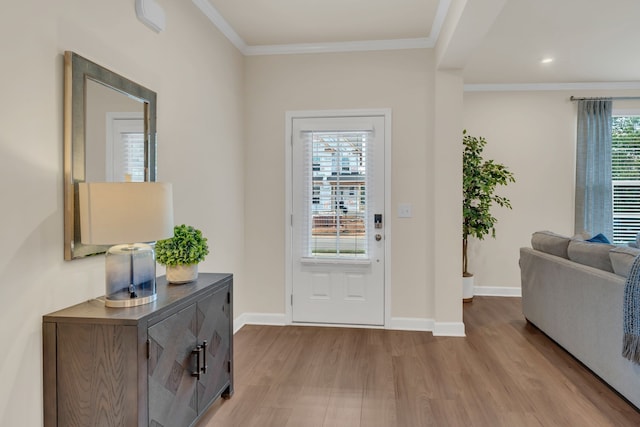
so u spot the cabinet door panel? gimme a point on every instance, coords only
(90, 357)
(214, 315)
(172, 389)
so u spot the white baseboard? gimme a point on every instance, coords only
(273, 319)
(397, 323)
(448, 329)
(453, 329)
(497, 291)
(411, 324)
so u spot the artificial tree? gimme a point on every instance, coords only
(480, 179)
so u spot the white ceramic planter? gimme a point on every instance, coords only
(467, 289)
(182, 273)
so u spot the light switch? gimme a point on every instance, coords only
(404, 210)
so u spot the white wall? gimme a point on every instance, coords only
(447, 203)
(533, 133)
(400, 80)
(199, 80)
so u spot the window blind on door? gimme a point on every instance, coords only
(337, 176)
(132, 156)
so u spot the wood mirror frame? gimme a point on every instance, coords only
(77, 72)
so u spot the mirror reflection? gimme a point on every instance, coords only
(115, 127)
(110, 131)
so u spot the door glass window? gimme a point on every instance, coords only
(337, 172)
(125, 148)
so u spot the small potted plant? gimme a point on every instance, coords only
(182, 253)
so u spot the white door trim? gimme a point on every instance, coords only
(115, 123)
(289, 116)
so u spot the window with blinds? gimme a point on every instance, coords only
(625, 171)
(132, 157)
(337, 174)
(125, 151)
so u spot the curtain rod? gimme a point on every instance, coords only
(613, 98)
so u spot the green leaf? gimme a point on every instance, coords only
(187, 246)
(479, 182)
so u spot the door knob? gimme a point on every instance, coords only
(378, 237)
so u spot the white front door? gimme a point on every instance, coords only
(338, 224)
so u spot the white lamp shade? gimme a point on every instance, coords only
(125, 212)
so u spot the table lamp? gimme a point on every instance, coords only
(127, 215)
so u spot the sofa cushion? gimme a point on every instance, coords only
(592, 254)
(581, 236)
(621, 259)
(551, 243)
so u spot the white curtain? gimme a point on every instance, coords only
(594, 199)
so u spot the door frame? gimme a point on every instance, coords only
(115, 122)
(289, 117)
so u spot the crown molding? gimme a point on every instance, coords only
(221, 23)
(354, 46)
(438, 20)
(524, 87)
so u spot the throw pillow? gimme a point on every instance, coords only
(599, 238)
(592, 254)
(622, 258)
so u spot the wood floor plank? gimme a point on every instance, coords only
(344, 409)
(505, 372)
(378, 408)
(268, 417)
(310, 408)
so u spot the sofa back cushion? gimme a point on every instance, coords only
(621, 259)
(551, 243)
(592, 254)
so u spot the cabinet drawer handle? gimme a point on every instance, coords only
(197, 351)
(204, 357)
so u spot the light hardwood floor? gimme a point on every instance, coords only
(504, 373)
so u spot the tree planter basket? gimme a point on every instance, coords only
(467, 288)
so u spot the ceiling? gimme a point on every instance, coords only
(589, 40)
(326, 21)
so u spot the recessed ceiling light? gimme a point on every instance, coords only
(546, 61)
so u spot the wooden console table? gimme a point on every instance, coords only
(159, 364)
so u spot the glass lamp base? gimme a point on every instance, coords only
(130, 275)
(131, 302)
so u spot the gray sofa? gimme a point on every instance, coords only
(573, 291)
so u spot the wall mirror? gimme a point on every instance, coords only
(109, 135)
